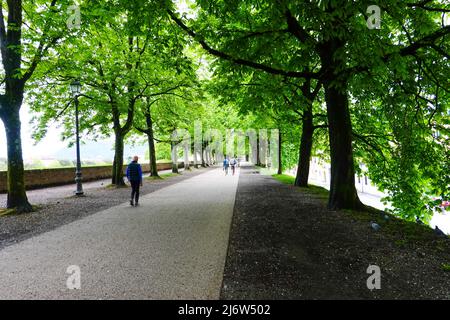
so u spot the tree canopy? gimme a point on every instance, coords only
(364, 99)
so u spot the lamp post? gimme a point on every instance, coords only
(75, 87)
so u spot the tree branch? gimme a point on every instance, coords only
(424, 42)
(296, 29)
(423, 6)
(247, 63)
(2, 32)
(42, 48)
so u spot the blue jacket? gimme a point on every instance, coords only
(134, 172)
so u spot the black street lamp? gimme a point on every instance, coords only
(75, 87)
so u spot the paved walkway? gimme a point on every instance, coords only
(171, 247)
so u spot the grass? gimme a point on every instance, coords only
(151, 178)
(284, 178)
(324, 193)
(446, 267)
(401, 231)
(12, 212)
(7, 212)
(290, 180)
(168, 175)
(163, 176)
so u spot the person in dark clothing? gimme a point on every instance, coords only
(226, 165)
(134, 176)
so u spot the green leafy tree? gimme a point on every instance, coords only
(25, 42)
(130, 63)
(286, 38)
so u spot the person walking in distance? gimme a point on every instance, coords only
(134, 176)
(233, 163)
(226, 165)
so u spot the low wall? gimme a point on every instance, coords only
(35, 179)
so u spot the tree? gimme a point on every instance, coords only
(24, 44)
(148, 116)
(125, 67)
(406, 149)
(149, 131)
(287, 102)
(330, 32)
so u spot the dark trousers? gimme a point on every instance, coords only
(135, 190)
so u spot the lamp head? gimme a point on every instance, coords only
(75, 87)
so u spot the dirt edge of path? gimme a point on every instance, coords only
(285, 244)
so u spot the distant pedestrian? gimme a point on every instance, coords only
(134, 176)
(226, 165)
(233, 163)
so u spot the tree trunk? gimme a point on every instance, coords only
(258, 162)
(17, 197)
(343, 194)
(304, 159)
(118, 161)
(174, 158)
(11, 101)
(280, 165)
(194, 155)
(152, 156)
(202, 154)
(113, 180)
(151, 146)
(187, 165)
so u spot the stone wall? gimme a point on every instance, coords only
(35, 179)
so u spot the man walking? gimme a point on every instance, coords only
(134, 176)
(226, 165)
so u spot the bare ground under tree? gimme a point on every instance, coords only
(285, 244)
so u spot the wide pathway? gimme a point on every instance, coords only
(171, 247)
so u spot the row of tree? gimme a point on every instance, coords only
(313, 69)
(381, 94)
(139, 75)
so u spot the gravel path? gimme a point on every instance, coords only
(58, 206)
(47, 195)
(285, 244)
(171, 247)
